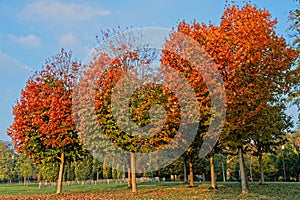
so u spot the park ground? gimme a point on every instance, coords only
(168, 190)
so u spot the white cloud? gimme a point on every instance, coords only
(10, 65)
(68, 40)
(55, 11)
(32, 41)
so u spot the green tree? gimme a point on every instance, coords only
(26, 168)
(268, 132)
(295, 32)
(83, 168)
(107, 171)
(69, 172)
(7, 162)
(50, 171)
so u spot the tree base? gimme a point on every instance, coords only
(189, 186)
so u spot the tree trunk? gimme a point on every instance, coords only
(61, 173)
(40, 177)
(129, 178)
(251, 175)
(223, 171)
(25, 181)
(192, 184)
(212, 171)
(133, 175)
(242, 169)
(184, 172)
(261, 168)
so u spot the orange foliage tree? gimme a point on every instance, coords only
(43, 126)
(153, 107)
(255, 65)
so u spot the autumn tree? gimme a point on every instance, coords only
(190, 60)
(43, 126)
(255, 65)
(118, 68)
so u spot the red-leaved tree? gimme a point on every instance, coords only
(43, 126)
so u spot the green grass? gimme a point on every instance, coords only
(170, 190)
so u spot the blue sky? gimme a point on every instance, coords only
(33, 30)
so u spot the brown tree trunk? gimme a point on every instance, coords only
(242, 170)
(129, 178)
(133, 175)
(212, 171)
(61, 173)
(261, 167)
(184, 172)
(192, 184)
(40, 176)
(25, 183)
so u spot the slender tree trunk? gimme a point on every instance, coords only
(184, 172)
(40, 177)
(242, 169)
(192, 184)
(223, 171)
(129, 178)
(133, 175)
(251, 176)
(61, 173)
(212, 171)
(261, 167)
(25, 181)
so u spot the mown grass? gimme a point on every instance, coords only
(169, 190)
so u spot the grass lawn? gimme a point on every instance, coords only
(169, 190)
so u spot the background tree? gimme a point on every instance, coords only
(7, 162)
(295, 32)
(83, 168)
(49, 171)
(268, 132)
(107, 171)
(69, 172)
(25, 168)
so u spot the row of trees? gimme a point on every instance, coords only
(254, 63)
(282, 166)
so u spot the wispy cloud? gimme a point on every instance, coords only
(11, 65)
(68, 40)
(71, 41)
(55, 11)
(13, 76)
(32, 41)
